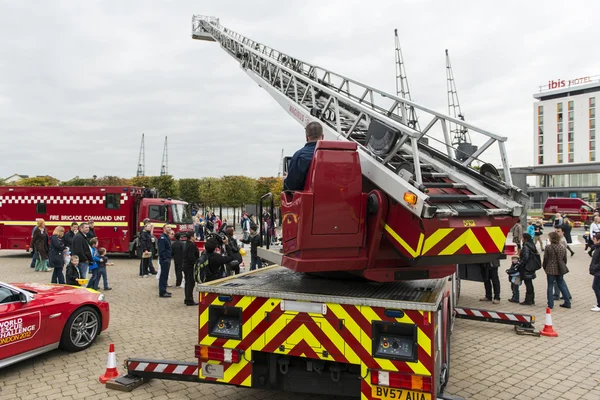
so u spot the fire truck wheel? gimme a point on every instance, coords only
(81, 329)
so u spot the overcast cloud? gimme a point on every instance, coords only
(80, 81)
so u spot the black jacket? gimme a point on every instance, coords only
(145, 241)
(72, 275)
(91, 234)
(595, 263)
(81, 248)
(68, 238)
(215, 265)
(177, 251)
(528, 262)
(57, 246)
(254, 242)
(190, 255)
(567, 232)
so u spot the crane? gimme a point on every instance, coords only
(164, 168)
(141, 169)
(280, 169)
(461, 139)
(432, 210)
(407, 112)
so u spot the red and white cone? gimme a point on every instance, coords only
(111, 366)
(548, 330)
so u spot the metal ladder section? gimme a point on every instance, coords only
(444, 186)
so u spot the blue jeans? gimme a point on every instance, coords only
(165, 265)
(255, 262)
(83, 269)
(94, 280)
(562, 285)
(57, 276)
(515, 291)
(102, 274)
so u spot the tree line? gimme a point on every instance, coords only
(226, 191)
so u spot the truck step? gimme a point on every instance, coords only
(453, 198)
(444, 185)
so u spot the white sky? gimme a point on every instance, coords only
(81, 81)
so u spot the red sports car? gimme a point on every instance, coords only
(36, 318)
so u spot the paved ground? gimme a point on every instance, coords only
(488, 361)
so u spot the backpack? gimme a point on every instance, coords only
(201, 268)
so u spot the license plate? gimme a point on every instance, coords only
(385, 393)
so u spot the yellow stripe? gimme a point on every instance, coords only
(156, 224)
(403, 243)
(59, 223)
(467, 238)
(497, 236)
(435, 238)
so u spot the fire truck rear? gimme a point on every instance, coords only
(117, 211)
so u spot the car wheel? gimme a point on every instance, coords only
(81, 329)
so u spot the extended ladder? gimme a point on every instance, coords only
(390, 152)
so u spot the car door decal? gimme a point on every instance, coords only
(19, 328)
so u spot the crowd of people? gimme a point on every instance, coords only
(77, 250)
(535, 253)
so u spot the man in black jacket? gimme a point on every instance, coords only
(216, 262)
(164, 258)
(254, 241)
(146, 250)
(81, 249)
(91, 233)
(177, 253)
(190, 256)
(71, 234)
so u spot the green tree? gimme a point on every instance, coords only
(39, 181)
(166, 185)
(210, 191)
(276, 189)
(141, 181)
(189, 190)
(239, 190)
(112, 181)
(77, 181)
(264, 185)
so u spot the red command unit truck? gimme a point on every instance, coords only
(117, 211)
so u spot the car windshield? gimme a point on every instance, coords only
(181, 214)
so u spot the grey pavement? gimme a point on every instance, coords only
(489, 361)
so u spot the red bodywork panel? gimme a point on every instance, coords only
(326, 227)
(117, 212)
(41, 321)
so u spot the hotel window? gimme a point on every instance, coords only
(592, 102)
(592, 145)
(571, 157)
(559, 158)
(593, 123)
(571, 126)
(571, 105)
(559, 138)
(559, 148)
(592, 112)
(540, 160)
(541, 120)
(559, 127)
(592, 156)
(540, 110)
(541, 150)
(540, 140)
(592, 134)
(571, 115)
(558, 107)
(571, 136)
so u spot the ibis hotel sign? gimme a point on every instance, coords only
(561, 83)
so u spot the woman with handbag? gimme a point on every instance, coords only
(529, 262)
(595, 270)
(555, 265)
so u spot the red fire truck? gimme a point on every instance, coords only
(117, 212)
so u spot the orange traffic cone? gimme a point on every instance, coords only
(111, 366)
(548, 330)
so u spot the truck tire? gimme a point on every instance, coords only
(81, 330)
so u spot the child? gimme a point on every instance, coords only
(73, 271)
(254, 241)
(514, 277)
(102, 263)
(93, 266)
(538, 230)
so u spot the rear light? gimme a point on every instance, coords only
(206, 353)
(399, 380)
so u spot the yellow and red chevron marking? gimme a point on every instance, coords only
(343, 334)
(452, 241)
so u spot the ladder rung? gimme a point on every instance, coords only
(444, 185)
(452, 198)
(434, 175)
